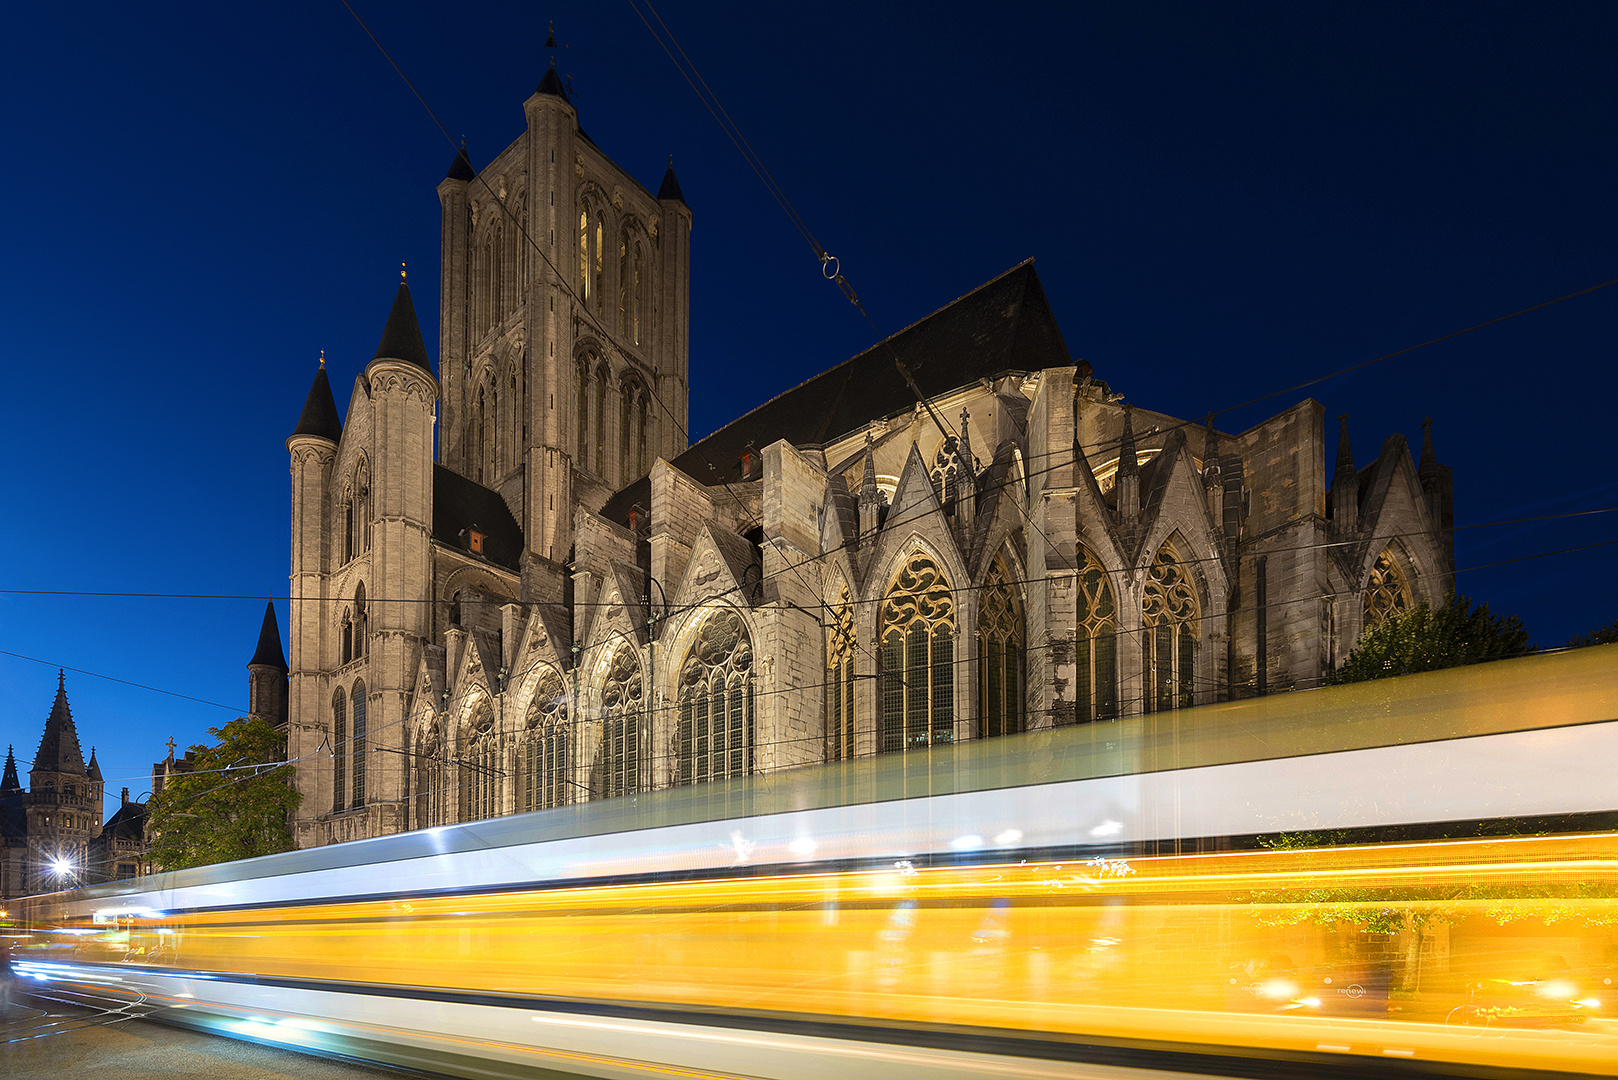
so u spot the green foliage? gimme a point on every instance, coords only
(1603, 635)
(235, 805)
(1426, 639)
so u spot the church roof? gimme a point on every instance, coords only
(93, 770)
(1003, 325)
(670, 188)
(401, 338)
(269, 652)
(9, 784)
(59, 745)
(129, 821)
(552, 84)
(461, 167)
(319, 416)
(460, 504)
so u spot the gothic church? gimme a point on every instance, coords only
(566, 602)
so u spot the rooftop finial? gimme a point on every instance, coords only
(401, 271)
(61, 679)
(322, 357)
(550, 38)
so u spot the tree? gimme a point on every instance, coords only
(1602, 635)
(235, 804)
(1426, 639)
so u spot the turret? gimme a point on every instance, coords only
(267, 672)
(966, 499)
(1345, 486)
(674, 304)
(9, 784)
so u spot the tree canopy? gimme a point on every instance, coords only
(1602, 635)
(235, 804)
(1427, 638)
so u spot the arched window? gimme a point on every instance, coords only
(477, 429)
(358, 744)
(917, 634)
(1001, 644)
(603, 376)
(1386, 593)
(637, 290)
(339, 752)
(428, 796)
(1095, 646)
(623, 284)
(840, 681)
(544, 753)
(359, 621)
(716, 701)
(348, 526)
(1169, 620)
(480, 765)
(632, 432)
(621, 708)
(584, 253)
(360, 520)
(584, 414)
(345, 636)
(600, 265)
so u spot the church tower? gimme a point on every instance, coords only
(563, 334)
(64, 802)
(267, 673)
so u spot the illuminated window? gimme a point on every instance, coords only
(358, 744)
(584, 254)
(1386, 594)
(1169, 620)
(1095, 652)
(474, 540)
(917, 634)
(480, 764)
(840, 681)
(621, 706)
(1000, 654)
(544, 753)
(623, 285)
(716, 701)
(339, 752)
(600, 292)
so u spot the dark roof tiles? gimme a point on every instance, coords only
(319, 416)
(461, 168)
(460, 504)
(268, 653)
(401, 337)
(670, 188)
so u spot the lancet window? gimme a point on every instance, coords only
(632, 430)
(428, 796)
(603, 377)
(1169, 619)
(1001, 648)
(716, 701)
(584, 414)
(339, 752)
(358, 744)
(359, 621)
(359, 513)
(917, 635)
(544, 748)
(622, 703)
(1386, 594)
(840, 681)
(480, 765)
(1095, 648)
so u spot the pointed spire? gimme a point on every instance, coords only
(550, 37)
(1128, 482)
(551, 84)
(9, 784)
(319, 416)
(59, 745)
(461, 168)
(870, 496)
(670, 189)
(401, 337)
(268, 653)
(1429, 460)
(1345, 455)
(1212, 468)
(93, 770)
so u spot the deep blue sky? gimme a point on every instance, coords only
(1223, 200)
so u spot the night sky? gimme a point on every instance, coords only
(1223, 201)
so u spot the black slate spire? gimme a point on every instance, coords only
(461, 167)
(269, 652)
(93, 769)
(319, 416)
(9, 784)
(671, 186)
(59, 746)
(552, 84)
(401, 338)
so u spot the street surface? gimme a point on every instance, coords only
(50, 1040)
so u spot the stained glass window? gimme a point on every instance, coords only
(1001, 644)
(544, 753)
(716, 701)
(339, 752)
(480, 765)
(917, 634)
(358, 743)
(1169, 620)
(1095, 650)
(1386, 594)
(621, 708)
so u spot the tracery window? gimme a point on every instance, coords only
(1386, 594)
(716, 701)
(1095, 650)
(917, 634)
(1169, 618)
(339, 752)
(544, 749)
(603, 376)
(621, 708)
(1001, 646)
(949, 468)
(358, 744)
(480, 765)
(428, 796)
(584, 254)
(840, 681)
(584, 414)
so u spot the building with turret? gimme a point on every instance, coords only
(47, 829)
(962, 533)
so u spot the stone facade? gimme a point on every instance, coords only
(959, 534)
(47, 831)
